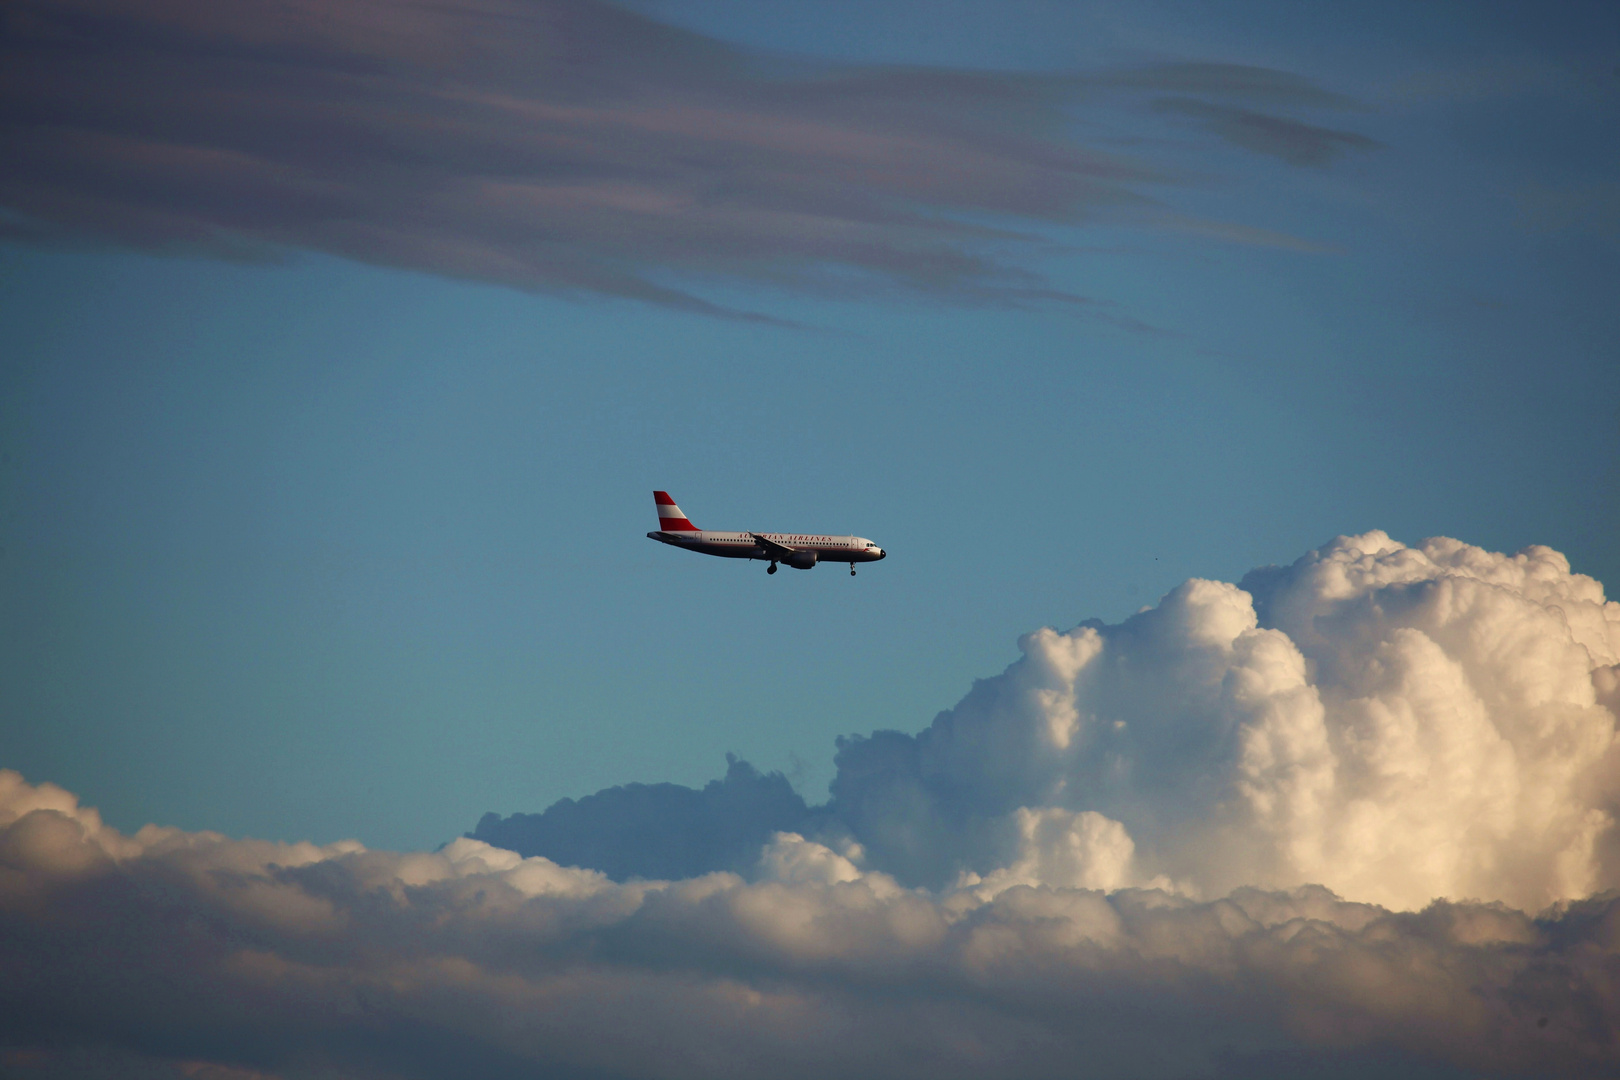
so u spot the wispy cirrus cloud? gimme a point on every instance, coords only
(1290, 140)
(570, 146)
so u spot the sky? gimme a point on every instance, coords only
(341, 349)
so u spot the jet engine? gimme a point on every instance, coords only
(801, 560)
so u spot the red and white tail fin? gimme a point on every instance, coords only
(670, 518)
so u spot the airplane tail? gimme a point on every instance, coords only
(670, 518)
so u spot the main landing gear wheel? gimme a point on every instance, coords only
(771, 569)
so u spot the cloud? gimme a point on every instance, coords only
(567, 146)
(1292, 141)
(188, 954)
(659, 830)
(1354, 816)
(1395, 723)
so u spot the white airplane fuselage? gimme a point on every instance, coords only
(799, 550)
(744, 545)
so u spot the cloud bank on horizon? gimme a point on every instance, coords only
(1356, 813)
(573, 146)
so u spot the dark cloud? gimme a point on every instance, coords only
(1290, 140)
(659, 831)
(173, 954)
(563, 145)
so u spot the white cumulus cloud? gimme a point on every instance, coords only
(1396, 723)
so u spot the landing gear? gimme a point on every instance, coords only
(851, 569)
(771, 569)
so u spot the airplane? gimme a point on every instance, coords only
(799, 550)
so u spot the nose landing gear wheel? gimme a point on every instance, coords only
(771, 569)
(851, 569)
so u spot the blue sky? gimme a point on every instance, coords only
(305, 545)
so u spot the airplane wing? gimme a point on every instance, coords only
(772, 548)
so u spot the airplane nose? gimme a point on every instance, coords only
(882, 554)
